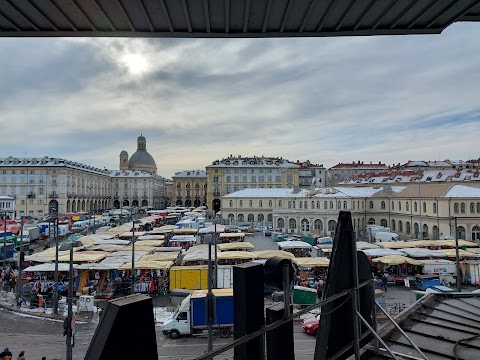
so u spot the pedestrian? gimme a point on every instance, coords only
(384, 282)
(320, 290)
(6, 355)
(21, 356)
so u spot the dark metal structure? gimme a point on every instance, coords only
(231, 18)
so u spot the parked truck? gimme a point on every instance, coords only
(30, 234)
(383, 236)
(190, 317)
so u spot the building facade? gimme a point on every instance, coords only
(412, 212)
(236, 173)
(344, 171)
(190, 188)
(7, 206)
(141, 160)
(311, 174)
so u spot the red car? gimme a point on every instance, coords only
(310, 325)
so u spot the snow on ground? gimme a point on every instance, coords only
(161, 314)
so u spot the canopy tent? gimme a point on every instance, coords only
(140, 247)
(312, 262)
(129, 234)
(382, 252)
(84, 256)
(153, 243)
(198, 253)
(106, 264)
(112, 242)
(231, 235)
(267, 254)
(362, 245)
(235, 246)
(474, 250)
(106, 247)
(211, 229)
(169, 249)
(230, 255)
(49, 267)
(185, 231)
(461, 253)
(396, 260)
(158, 231)
(167, 227)
(158, 265)
(169, 256)
(396, 244)
(423, 253)
(294, 245)
(151, 237)
(124, 256)
(48, 255)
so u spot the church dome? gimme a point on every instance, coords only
(123, 152)
(141, 158)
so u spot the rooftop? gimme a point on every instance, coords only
(190, 173)
(360, 165)
(239, 161)
(49, 161)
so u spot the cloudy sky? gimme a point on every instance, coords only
(329, 100)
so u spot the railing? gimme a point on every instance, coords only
(30, 195)
(53, 195)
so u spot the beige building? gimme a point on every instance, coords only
(345, 171)
(406, 210)
(190, 188)
(236, 173)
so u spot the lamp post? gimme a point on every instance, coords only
(20, 264)
(5, 240)
(94, 208)
(457, 256)
(133, 255)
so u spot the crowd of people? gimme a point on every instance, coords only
(6, 354)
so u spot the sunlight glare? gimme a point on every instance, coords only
(136, 63)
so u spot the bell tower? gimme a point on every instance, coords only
(123, 160)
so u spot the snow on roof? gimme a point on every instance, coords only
(190, 173)
(359, 165)
(463, 191)
(267, 193)
(256, 161)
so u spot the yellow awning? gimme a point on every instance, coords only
(151, 237)
(235, 245)
(267, 254)
(161, 265)
(232, 235)
(224, 255)
(396, 260)
(312, 262)
(85, 256)
(167, 256)
(152, 243)
(185, 231)
(461, 253)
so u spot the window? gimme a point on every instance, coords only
(344, 204)
(415, 206)
(332, 225)
(278, 178)
(331, 204)
(353, 203)
(462, 208)
(260, 217)
(393, 205)
(231, 203)
(472, 208)
(424, 207)
(408, 229)
(407, 205)
(261, 179)
(241, 218)
(241, 203)
(250, 203)
(318, 225)
(229, 178)
(478, 207)
(399, 206)
(305, 205)
(251, 218)
(393, 224)
(294, 204)
(289, 204)
(231, 218)
(371, 204)
(260, 204)
(400, 226)
(371, 221)
(382, 205)
(279, 203)
(269, 203)
(254, 179)
(325, 205)
(383, 223)
(339, 204)
(318, 204)
(292, 224)
(434, 208)
(300, 204)
(280, 223)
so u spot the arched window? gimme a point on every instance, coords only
(294, 204)
(318, 204)
(476, 233)
(353, 203)
(325, 205)
(250, 203)
(424, 207)
(415, 206)
(331, 204)
(300, 204)
(425, 231)
(289, 204)
(269, 218)
(280, 223)
(371, 204)
(393, 224)
(188, 186)
(292, 224)
(400, 226)
(344, 204)
(339, 204)
(332, 224)
(435, 232)
(371, 221)
(461, 233)
(179, 186)
(241, 218)
(260, 204)
(231, 218)
(197, 186)
(260, 218)
(280, 203)
(269, 203)
(231, 203)
(455, 208)
(407, 206)
(472, 208)
(313, 204)
(318, 225)
(251, 218)
(399, 206)
(408, 229)
(434, 208)
(241, 203)
(382, 205)
(478, 208)
(393, 205)
(462, 208)
(416, 230)
(305, 205)
(383, 223)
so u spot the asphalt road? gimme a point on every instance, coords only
(43, 337)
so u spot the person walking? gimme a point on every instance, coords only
(384, 282)
(21, 356)
(6, 355)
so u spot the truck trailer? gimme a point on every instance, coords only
(190, 317)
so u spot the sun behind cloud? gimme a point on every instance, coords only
(136, 64)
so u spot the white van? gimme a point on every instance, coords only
(80, 225)
(386, 236)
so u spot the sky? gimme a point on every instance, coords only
(328, 100)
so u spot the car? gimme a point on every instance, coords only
(267, 233)
(310, 325)
(243, 228)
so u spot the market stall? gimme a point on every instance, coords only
(236, 246)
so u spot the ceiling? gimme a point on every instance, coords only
(230, 18)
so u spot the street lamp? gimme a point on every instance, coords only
(5, 240)
(70, 321)
(133, 254)
(54, 220)
(457, 257)
(20, 263)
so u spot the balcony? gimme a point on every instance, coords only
(30, 195)
(216, 193)
(53, 195)
(116, 197)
